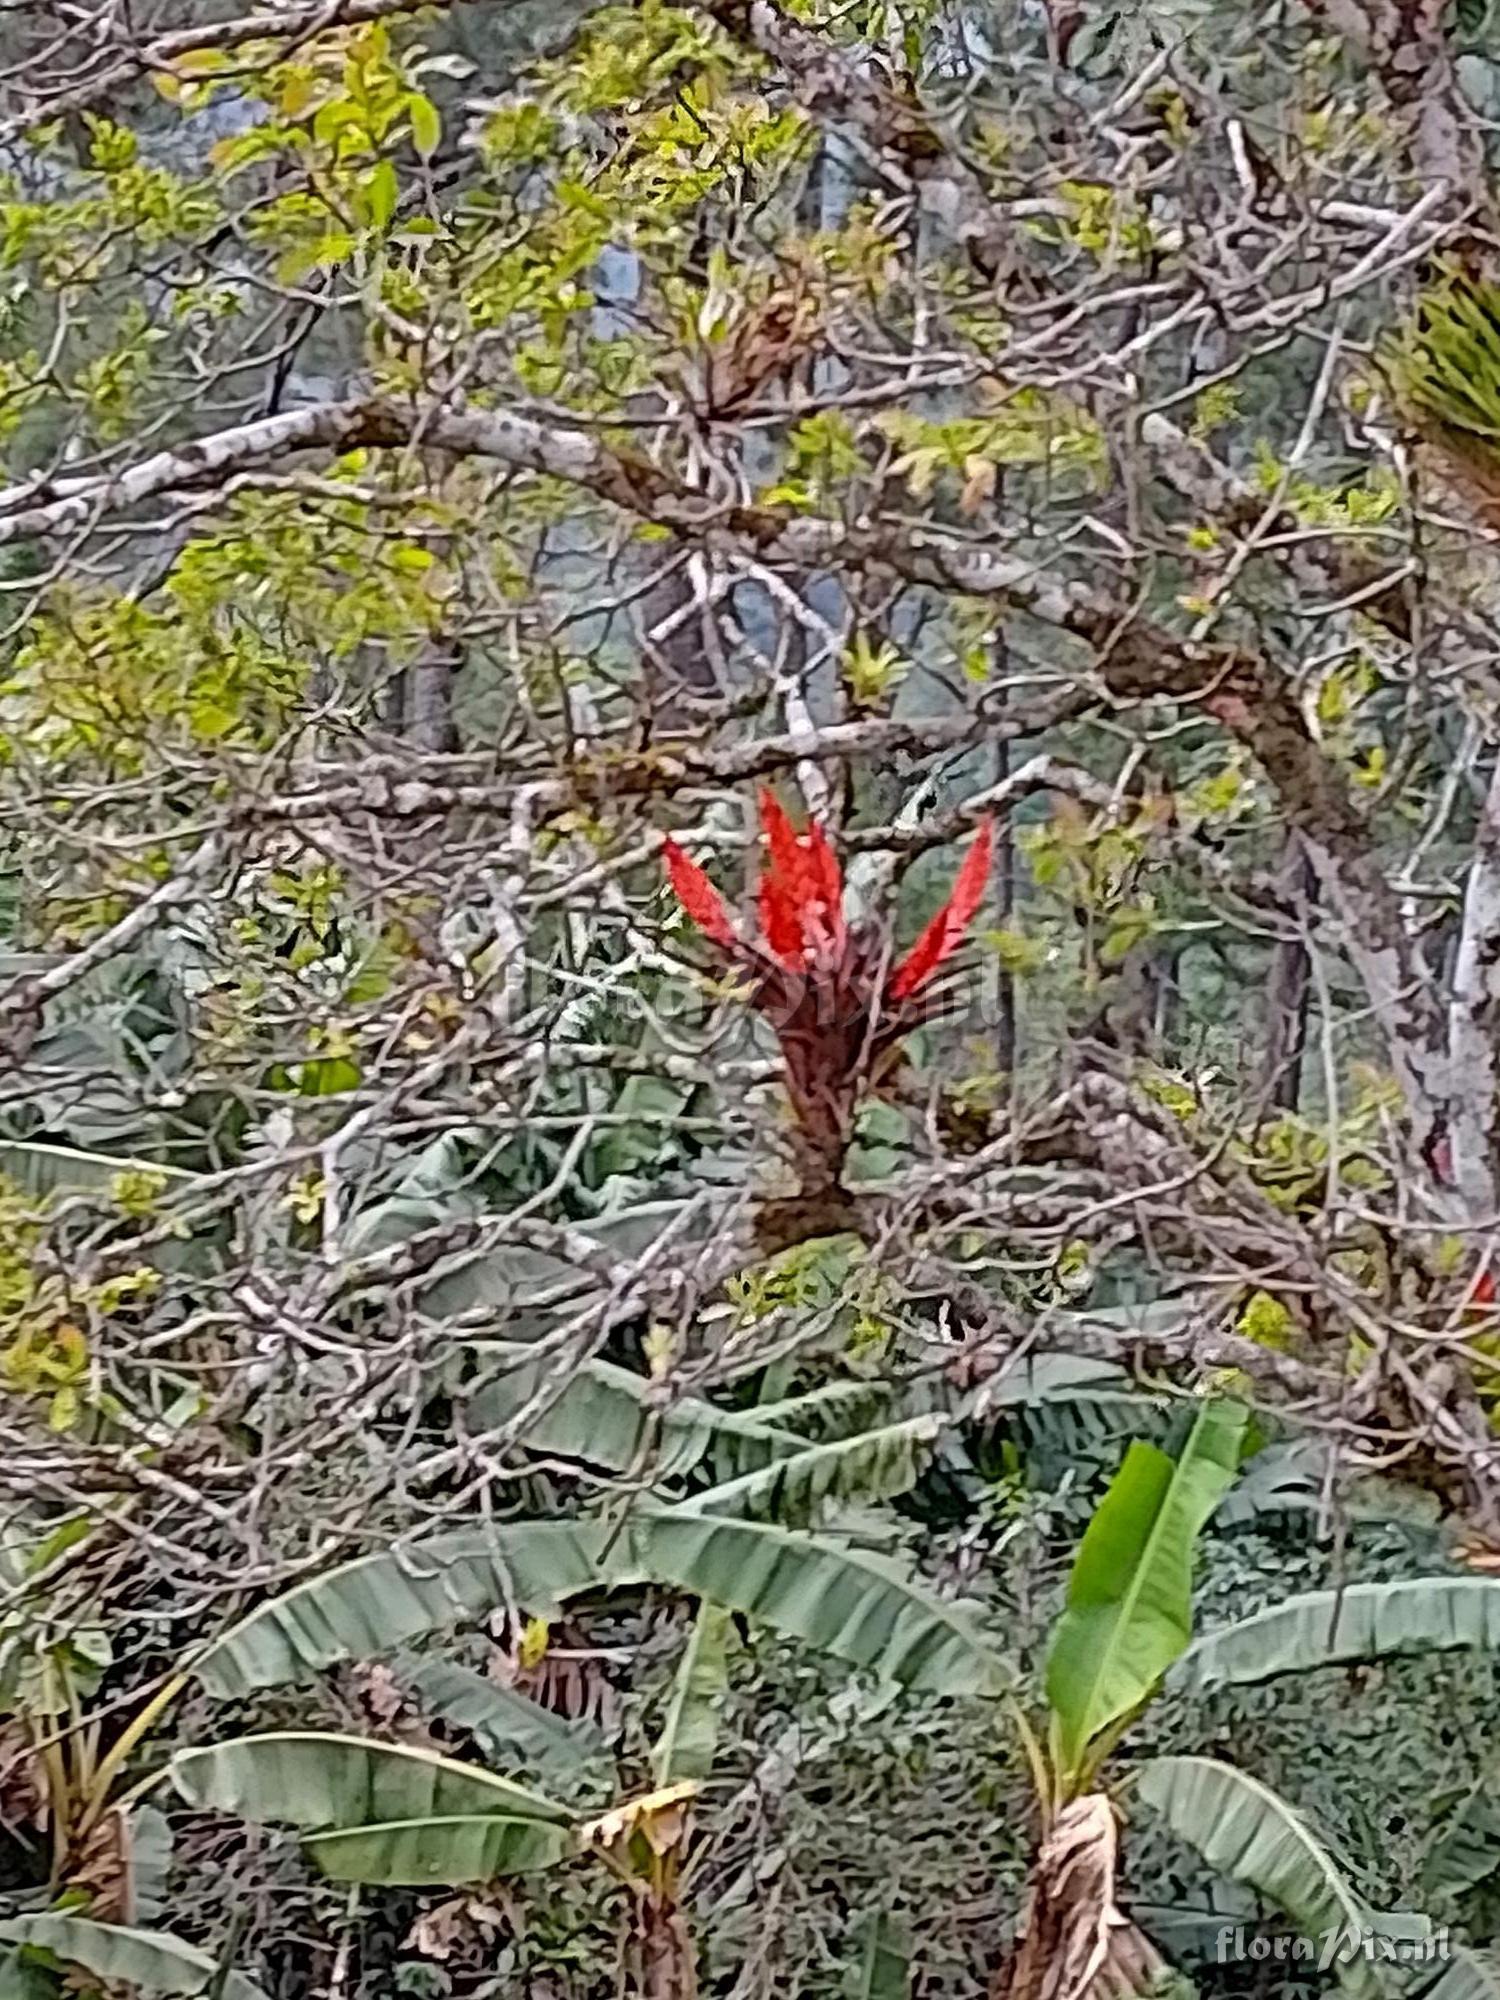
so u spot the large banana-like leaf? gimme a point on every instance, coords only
(1467, 1851)
(149, 1961)
(1067, 1406)
(857, 1606)
(1468, 1975)
(449, 1849)
(1244, 1830)
(1366, 1621)
(854, 1605)
(508, 1727)
(609, 1417)
(1047, 1378)
(687, 1744)
(838, 1410)
(883, 1971)
(876, 1466)
(311, 1779)
(842, 1409)
(365, 1608)
(1280, 1479)
(149, 1838)
(1129, 1609)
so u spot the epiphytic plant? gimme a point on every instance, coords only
(837, 1003)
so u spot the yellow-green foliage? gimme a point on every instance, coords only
(1447, 365)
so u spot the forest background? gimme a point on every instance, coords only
(574, 1420)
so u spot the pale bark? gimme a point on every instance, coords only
(1136, 660)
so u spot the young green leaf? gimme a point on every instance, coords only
(685, 1748)
(1129, 1609)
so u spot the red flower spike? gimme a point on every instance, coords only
(782, 893)
(818, 980)
(945, 933)
(801, 889)
(782, 844)
(1483, 1293)
(828, 884)
(697, 895)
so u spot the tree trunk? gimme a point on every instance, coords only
(1075, 1943)
(1287, 992)
(427, 700)
(666, 1968)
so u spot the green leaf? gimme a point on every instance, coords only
(1244, 1830)
(363, 1609)
(1367, 1621)
(687, 1744)
(608, 1416)
(884, 1968)
(1043, 1378)
(839, 1409)
(1067, 1405)
(426, 125)
(382, 191)
(845, 1601)
(1129, 1609)
(149, 1961)
(149, 1843)
(308, 1778)
(875, 1466)
(450, 1850)
(855, 1605)
(507, 1726)
(1468, 1975)
(1467, 1851)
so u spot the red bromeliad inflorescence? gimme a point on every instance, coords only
(826, 986)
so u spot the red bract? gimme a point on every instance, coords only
(698, 896)
(944, 934)
(837, 1008)
(801, 889)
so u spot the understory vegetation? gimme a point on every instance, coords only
(749, 1000)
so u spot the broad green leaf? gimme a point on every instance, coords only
(876, 1466)
(1280, 1479)
(857, 1606)
(883, 1971)
(1367, 1621)
(448, 1849)
(1244, 1830)
(1467, 1851)
(1042, 1378)
(1468, 1975)
(607, 1416)
(687, 1743)
(507, 1726)
(25, 1976)
(148, 1961)
(364, 1608)
(837, 1410)
(150, 1849)
(1129, 1608)
(311, 1779)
